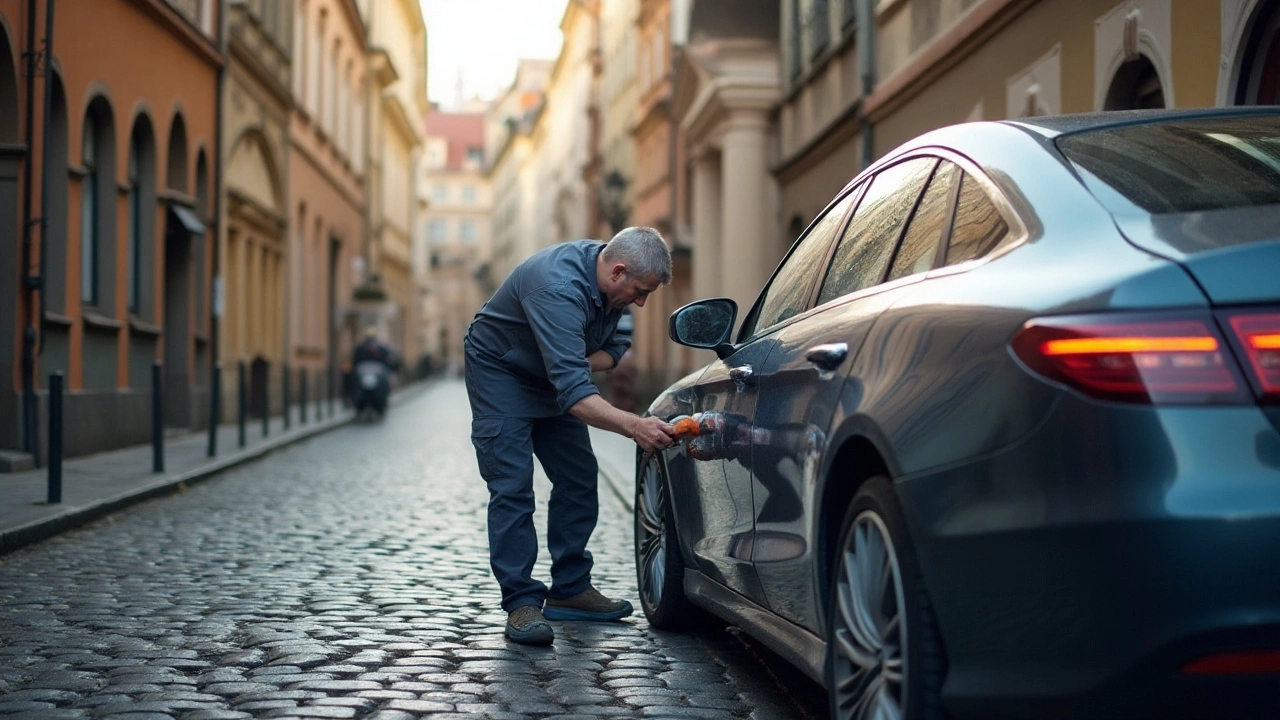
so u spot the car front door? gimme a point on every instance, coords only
(723, 525)
(803, 379)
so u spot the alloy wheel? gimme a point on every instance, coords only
(869, 633)
(651, 535)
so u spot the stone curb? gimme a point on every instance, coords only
(45, 528)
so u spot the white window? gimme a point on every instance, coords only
(468, 232)
(313, 70)
(440, 193)
(436, 231)
(469, 194)
(299, 49)
(330, 90)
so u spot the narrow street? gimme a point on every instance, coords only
(345, 577)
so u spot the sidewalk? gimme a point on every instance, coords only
(95, 485)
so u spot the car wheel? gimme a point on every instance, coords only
(884, 656)
(659, 567)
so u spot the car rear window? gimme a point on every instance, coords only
(1182, 166)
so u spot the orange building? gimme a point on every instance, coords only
(105, 201)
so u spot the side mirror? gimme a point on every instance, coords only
(705, 325)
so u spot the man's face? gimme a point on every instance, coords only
(626, 290)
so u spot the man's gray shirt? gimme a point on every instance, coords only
(527, 347)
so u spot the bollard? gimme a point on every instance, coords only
(302, 395)
(157, 418)
(55, 439)
(242, 396)
(330, 383)
(285, 369)
(266, 405)
(215, 409)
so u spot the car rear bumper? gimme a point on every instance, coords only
(1076, 574)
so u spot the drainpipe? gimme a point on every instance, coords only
(45, 169)
(30, 283)
(218, 294)
(867, 58)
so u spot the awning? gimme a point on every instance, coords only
(186, 219)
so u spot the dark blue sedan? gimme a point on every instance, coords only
(1001, 436)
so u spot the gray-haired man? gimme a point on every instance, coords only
(530, 352)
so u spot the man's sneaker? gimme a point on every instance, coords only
(526, 625)
(589, 604)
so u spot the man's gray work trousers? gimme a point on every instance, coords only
(505, 447)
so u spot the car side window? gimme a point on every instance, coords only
(788, 292)
(873, 231)
(978, 227)
(923, 237)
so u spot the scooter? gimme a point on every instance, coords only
(372, 388)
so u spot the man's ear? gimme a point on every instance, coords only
(617, 272)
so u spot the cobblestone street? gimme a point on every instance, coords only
(343, 577)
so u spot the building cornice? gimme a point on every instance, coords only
(203, 45)
(400, 118)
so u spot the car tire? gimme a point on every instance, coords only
(884, 654)
(659, 566)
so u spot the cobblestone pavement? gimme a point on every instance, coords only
(344, 577)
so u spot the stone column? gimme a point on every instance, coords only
(706, 225)
(745, 255)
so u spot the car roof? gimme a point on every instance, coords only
(1056, 125)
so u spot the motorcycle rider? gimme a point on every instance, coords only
(372, 350)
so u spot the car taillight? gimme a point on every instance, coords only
(1258, 341)
(1155, 358)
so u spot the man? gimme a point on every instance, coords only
(530, 352)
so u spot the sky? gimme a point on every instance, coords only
(484, 39)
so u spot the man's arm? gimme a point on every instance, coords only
(650, 433)
(600, 360)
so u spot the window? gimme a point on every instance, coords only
(793, 41)
(873, 232)
(468, 232)
(89, 214)
(978, 227)
(436, 231)
(440, 192)
(134, 260)
(920, 243)
(469, 194)
(788, 292)
(476, 155)
(819, 24)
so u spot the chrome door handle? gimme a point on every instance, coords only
(828, 356)
(741, 376)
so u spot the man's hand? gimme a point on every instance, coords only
(652, 434)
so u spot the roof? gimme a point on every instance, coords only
(463, 131)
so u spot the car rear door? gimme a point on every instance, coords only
(802, 381)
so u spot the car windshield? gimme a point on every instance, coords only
(1181, 166)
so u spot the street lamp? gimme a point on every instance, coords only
(612, 200)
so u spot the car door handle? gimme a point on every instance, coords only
(828, 356)
(741, 375)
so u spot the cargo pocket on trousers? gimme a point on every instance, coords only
(484, 434)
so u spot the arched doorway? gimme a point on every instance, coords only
(182, 229)
(141, 241)
(1135, 86)
(11, 156)
(1258, 82)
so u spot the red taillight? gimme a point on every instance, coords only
(1237, 663)
(1129, 358)
(1258, 334)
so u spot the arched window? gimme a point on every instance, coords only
(200, 248)
(177, 157)
(1259, 82)
(89, 210)
(55, 234)
(1135, 86)
(141, 239)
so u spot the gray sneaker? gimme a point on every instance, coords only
(590, 604)
(527, 626)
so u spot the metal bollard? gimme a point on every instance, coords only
(302, 393)
(55, 439)
(285, 370)
(266, 405)
(242, 396)
(215, 409)
(330, 384)
(157, 417)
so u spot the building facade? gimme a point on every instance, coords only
(106, 169)
(326, 183)
(254, 248)
(396, 102)
(456, 233)
(510, 164)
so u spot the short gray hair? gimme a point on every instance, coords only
(643, 251)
